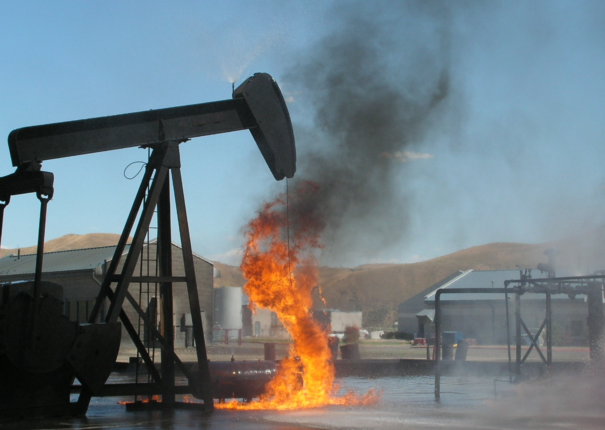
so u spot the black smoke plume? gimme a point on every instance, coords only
(373, 87)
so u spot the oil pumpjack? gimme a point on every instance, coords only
(41, 351)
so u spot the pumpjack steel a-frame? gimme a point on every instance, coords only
(257, 105)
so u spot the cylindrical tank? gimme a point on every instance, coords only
(228, 307)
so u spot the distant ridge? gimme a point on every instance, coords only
(377, 289)
(70, 241)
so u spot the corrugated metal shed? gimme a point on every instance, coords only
(416, 303)
(59, 261)
(426, 316)
(154, 241)
(483, 279)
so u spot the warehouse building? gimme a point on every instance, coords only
(411, 314)
(81, 273)
(483, 316)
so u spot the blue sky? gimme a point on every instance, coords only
(513, 154)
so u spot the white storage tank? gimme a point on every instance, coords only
(228, 308)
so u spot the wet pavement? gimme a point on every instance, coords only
(568, 402)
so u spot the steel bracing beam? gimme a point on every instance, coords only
(534, 341)
(164, 162)
(565, 285)
(194, 302)
(149, 324)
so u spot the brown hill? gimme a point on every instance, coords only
(70, 241)
(378, 289)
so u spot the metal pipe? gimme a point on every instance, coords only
(165, 253)
(3, 204)
(595, 323)
(518, 334)
(38, 274)
(438, 323)
(551, 280)
(493, 322)
(510, 369)
(438, 344)
(548, 332)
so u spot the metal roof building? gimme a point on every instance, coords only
(20, 267)
(482, 279)
(81, 272)
(409, 312)
(482, 316)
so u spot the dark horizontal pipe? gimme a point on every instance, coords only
(477, 290)
(132, 389)
(151, 279)
(567, 278)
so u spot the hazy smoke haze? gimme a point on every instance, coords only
(374, 85)
(436, 126)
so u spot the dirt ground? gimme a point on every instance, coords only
(369, 349)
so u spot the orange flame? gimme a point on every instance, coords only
(281, 271)
(189, 399)
(155, 398)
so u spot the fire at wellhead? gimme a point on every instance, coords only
(281, 271)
